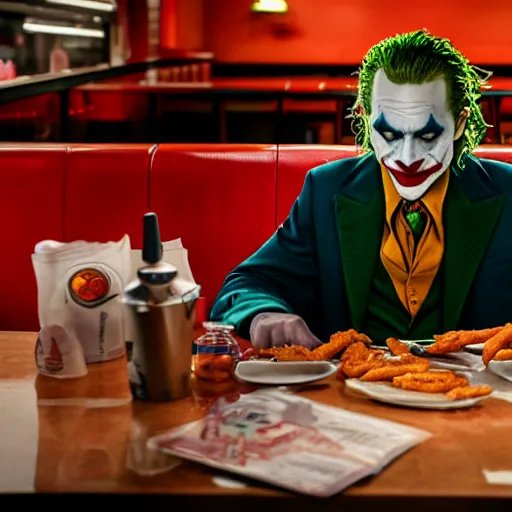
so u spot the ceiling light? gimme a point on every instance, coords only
(86, 4)
(41, 28)
(277, 6)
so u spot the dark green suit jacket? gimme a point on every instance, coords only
(320, 263)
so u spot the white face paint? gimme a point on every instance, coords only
(412, 132)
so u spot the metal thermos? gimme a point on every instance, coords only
(163, 311)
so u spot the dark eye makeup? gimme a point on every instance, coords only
(429, 133)
(386, 130)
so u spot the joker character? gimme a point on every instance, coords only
(411, 238)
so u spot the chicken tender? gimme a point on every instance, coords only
(505, 354)
(391, 369)
(454, 341)
(462, 393)
(396, 347)
(338, 342)
(358, 359)
(287, 353)
(499, 341)
(430, 382)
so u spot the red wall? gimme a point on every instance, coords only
(341, 31)
(191, 23)
(138, 30)
(168, 37)
(182, 24)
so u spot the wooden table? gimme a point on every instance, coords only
(86, 444)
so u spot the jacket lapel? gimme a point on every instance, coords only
(471, 211)
(359, 210)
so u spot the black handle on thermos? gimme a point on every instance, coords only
(152, 249)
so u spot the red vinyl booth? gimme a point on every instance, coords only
(224, 201)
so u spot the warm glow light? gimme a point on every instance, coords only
(270, 6)
(39, 28)
(86, 4)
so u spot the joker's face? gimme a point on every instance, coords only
(413, 131)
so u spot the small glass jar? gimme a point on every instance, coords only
(215, 353)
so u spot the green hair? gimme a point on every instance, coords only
(416, 58)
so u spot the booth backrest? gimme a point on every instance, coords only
(220, 200)
(224, 201)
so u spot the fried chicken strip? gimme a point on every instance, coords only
(505, 354)
(338, 342)
(499, 341)
(469, 392)
(430, 382)
(391, 369)
(396, 347)
(358, 359)
(454, 341)
(288, 353)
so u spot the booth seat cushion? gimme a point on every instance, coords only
(31, 209)
(107, 192)
(495, 152)
(224, 201)
(220, 199)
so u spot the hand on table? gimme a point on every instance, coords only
(278, 329)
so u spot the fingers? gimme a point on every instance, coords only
(311, 342)
(278, 329)
(301, 335)
(260, 337)
(263, 329)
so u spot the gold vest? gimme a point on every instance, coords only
(413, 269)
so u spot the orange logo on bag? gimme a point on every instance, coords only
(89, 286)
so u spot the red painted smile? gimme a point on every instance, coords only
(408, 175)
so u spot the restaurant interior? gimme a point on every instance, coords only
(128, 124)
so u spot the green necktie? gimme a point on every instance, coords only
(416, 218)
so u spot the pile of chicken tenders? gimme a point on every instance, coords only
(398, 367)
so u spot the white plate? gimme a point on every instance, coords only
(476, 348)
(386, 393)
(283, 373)
(502, 368)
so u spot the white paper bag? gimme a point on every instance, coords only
(80, 287)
